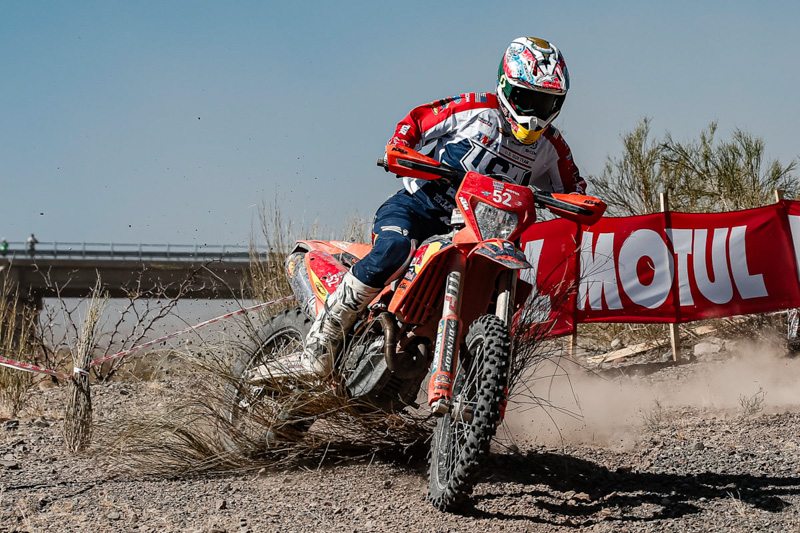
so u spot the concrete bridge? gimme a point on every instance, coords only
(70, 270)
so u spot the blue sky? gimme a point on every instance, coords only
(158, 122)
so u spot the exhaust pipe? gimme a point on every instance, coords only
(398, 364)
(389, 340)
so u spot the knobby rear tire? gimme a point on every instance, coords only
(458, 447)
(283, 333)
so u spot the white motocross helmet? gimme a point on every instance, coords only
(532, 83)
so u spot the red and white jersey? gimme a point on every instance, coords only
(469, 132)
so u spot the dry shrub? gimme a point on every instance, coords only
(134, 319)
(266, 279)
(17, 327)
(705, 174)
(767, 329)
(538, 360)
(598, 336)
(654, 419)
(753, 404)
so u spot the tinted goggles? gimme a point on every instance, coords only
(534, 103)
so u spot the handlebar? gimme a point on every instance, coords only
(542, 198)
(421, 166)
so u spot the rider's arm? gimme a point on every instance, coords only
(432, 121)
(565, 171)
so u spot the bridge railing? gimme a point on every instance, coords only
(122, 251)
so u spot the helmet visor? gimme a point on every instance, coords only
(530, 103)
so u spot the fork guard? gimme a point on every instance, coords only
(502, 252)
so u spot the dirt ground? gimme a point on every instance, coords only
(709, 445)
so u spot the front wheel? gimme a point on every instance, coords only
(461, 438)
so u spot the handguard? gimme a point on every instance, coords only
(405, 161)
(585, 210)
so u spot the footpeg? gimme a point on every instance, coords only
(440, 408)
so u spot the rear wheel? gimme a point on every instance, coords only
(461, 438)
(282, 335)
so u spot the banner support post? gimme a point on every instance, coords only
(572, 342)
(778, 195)
(674, 332)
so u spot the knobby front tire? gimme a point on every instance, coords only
(459, 446)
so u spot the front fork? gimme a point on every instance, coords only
(440, 387)
(507, 290)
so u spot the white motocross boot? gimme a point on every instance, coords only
(326, 337)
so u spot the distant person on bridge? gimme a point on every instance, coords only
(4, 247)
(32, 242)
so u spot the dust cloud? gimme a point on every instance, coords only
(612, 409)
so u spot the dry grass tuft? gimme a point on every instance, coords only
(266, 280)
(738, 507)
(197, 436)
(78, 415)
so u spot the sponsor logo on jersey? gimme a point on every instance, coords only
(514, 156)
(485, 140)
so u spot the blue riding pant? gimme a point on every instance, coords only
(401, 219)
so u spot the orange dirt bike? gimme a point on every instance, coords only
(446, 321)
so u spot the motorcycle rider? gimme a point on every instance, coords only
(509, 132)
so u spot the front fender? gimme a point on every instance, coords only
(502, 252)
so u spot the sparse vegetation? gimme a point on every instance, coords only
(703, 175)
(197, 436)
(753, 404)
(738, 507)
(17, 326)
(266, 279)
(655, 418)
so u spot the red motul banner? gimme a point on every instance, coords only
(665, 267)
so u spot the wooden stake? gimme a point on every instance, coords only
(572, 343)
(674, 332)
